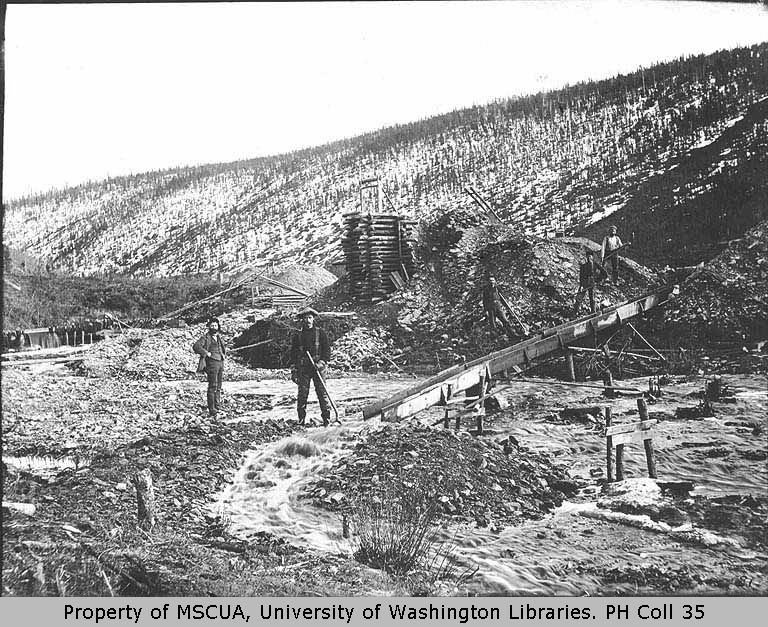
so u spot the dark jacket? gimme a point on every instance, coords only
(590, 273)
(490, 294)
(313, 340)
(203, 346)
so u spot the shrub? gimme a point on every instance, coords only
(396, 530)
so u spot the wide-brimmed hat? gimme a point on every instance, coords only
(307, 311)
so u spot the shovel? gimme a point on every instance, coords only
(325, 387)
(523, 326)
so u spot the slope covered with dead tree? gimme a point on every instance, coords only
(676, 145)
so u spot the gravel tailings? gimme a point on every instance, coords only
(473, 480)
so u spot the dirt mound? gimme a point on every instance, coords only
(157, 354)
(472, 480)
(354, 347)
(274, 333)
(309, 279)
(363, 348)
(440, 317)
(727, 298)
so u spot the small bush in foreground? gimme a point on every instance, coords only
(396, 531)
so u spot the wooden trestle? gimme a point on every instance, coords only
(443, 387)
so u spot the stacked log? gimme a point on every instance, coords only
(375, 245)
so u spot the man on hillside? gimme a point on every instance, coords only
(493, 308)
(611, 244)
(590, 273)
(313, 340)
(210, 347)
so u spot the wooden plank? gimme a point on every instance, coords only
(643, 425)
(628, 438)
(284, 286)
(578, 385)
(609, 445)
(397, 280)
(48, 360)
(515, 356)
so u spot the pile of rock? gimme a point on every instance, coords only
(156, 354)
(441, 320)
(362, 348)
(471, 480)
(727, 298)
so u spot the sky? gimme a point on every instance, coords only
(105, 90)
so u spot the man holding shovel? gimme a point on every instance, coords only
(310, 352)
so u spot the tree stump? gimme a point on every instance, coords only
(145, 497)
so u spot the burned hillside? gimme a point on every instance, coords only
(555, 160)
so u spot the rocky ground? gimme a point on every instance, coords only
(473, 480)
(437, 320)
(70, 518)
(726, 299)
(527, 498)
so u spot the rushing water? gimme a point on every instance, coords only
(44, 466)
(535, 557)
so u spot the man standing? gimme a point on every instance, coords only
(210, 347)
(312, 340)
(589, 274)
(611, 244)
(493, 308)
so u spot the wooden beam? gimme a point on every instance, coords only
(647, 343)
(48, 360)
(240, 348)
(643, 425)
(427, 393)
(579, 385)
(285, 287)
(581, 349)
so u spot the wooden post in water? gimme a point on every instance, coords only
(481, 406)
(647, 442)
(448, 396)
(608, 381)
(571, 368)
(619, 462)
(609, 446)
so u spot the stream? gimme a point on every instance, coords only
(720, 455)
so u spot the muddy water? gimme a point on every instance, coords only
(264, 495)
(712, 452)
(538, 557)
